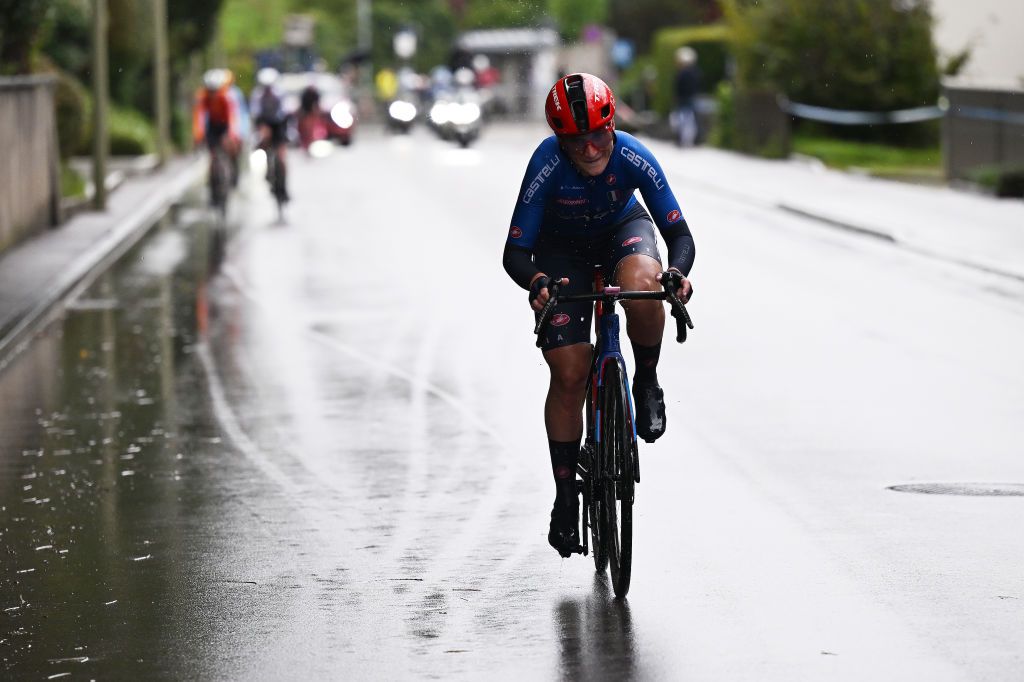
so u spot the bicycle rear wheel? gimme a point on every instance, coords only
(277, 186)
(220, 173)
(616, 477)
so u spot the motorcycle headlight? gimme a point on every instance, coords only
(341, 113)
(402, 111)
(439, 113)
(464, 114)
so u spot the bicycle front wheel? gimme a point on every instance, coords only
(616, 477)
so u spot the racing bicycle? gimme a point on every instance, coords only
(609, 463)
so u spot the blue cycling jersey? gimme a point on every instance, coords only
(559, 200)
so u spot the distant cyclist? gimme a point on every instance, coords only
(576, 209)
(215, 114)
(241, 115)
(267, 110)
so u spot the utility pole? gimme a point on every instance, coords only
(364, 29)
(161, 81)
(100, 88)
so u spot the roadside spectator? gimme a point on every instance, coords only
(685, 89)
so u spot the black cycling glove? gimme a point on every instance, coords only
(542, 282)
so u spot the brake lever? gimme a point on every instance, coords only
(671, 282)
(545, 313)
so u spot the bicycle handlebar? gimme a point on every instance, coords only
(612, 294)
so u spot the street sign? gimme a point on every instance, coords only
(298, 30)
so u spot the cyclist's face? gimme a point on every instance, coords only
(591, 151)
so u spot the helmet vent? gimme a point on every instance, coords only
(579, 114)
(605, 110)
(558, 122)
(576, 95)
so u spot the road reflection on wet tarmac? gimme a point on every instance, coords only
(202, 479)
(100, 432)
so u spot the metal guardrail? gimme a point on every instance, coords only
(986, 114)
(914, 115)
(848, 117)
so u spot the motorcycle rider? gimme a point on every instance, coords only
(577, 209)
(310, 124)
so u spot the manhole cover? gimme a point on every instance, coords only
(976, 489)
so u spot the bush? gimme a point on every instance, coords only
(71, 183)
(72, 109)
(131, 133)
(723, 134)
(871, 55)
(1004, 181)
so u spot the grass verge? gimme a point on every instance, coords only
(901, 163)
(71, 183)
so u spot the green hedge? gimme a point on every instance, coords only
(1004, 181)
(72, 110)
(874, 55)
(711, 43)
(131, 133)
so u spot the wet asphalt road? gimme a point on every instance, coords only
(328, 460)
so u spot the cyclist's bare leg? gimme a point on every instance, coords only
(645, 325)
(264, 136)
(563, 409)
(645, 320)
(563, 416)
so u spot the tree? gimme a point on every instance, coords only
(192, 25)
(573, 15)
(638, 20)
(874, 55)
(21, 25)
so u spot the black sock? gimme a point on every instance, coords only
(563, 467)
(646, 359)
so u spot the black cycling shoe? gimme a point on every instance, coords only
(564, 534)
(649, 400)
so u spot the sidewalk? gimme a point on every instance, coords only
(36, 274)
(955, 225)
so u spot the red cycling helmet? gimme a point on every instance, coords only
(579, 103)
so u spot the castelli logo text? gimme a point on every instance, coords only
(674, 216)
(644, 165)
(543, 175)
(560, 320)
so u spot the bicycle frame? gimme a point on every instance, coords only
(607, 348)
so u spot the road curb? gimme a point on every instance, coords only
(82, 270)
(909, 245)
(832, 222)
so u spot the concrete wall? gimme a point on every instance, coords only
(29, 171)
(982, 128)
(992, 29)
